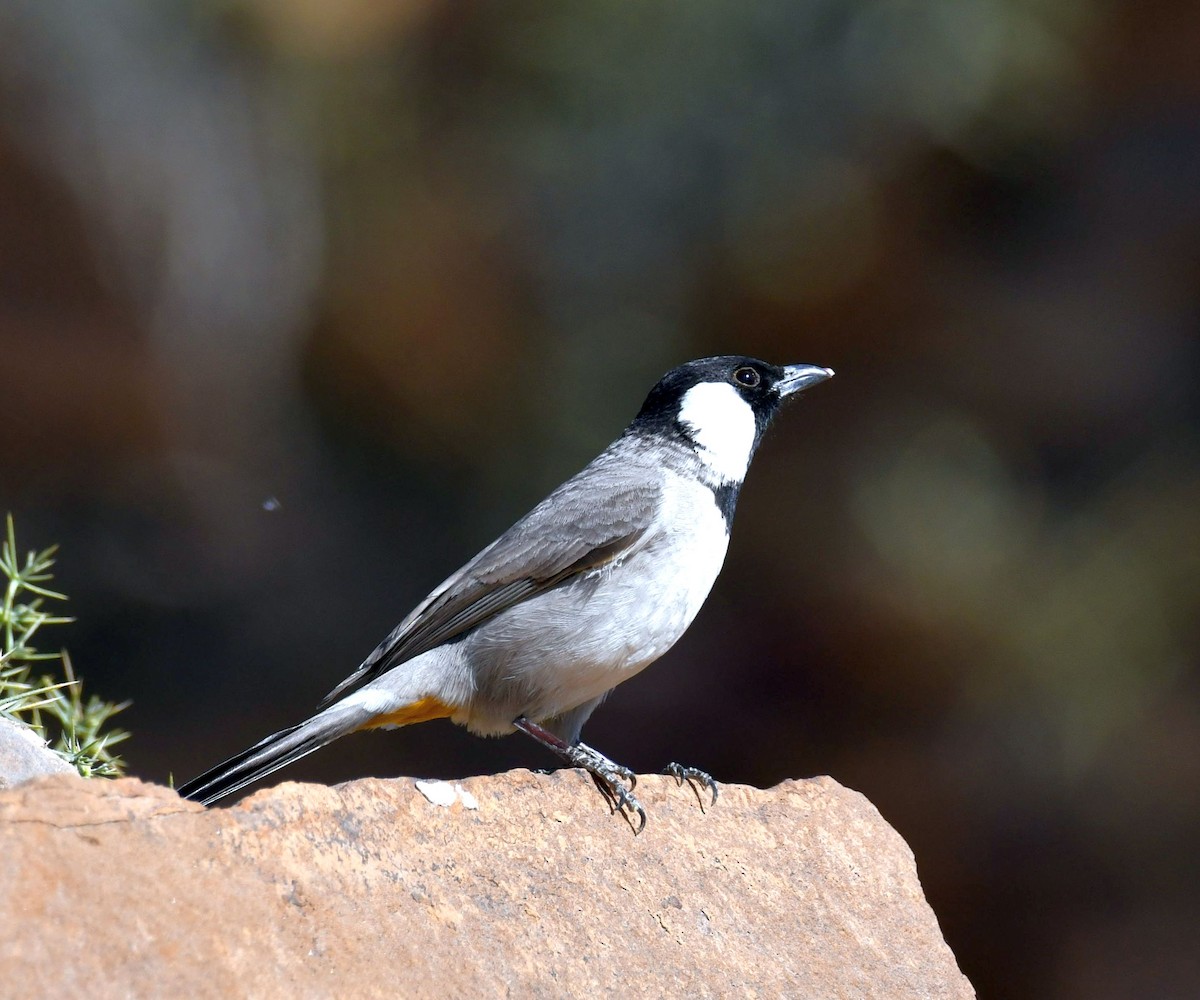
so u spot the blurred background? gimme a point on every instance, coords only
(301, 303)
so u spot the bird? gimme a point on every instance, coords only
(593, 585)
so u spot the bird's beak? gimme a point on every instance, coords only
(797, 378)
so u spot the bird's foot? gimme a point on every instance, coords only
(615, 782)
(695, 778)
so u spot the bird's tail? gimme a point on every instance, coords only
(276, 751)
(365, 709)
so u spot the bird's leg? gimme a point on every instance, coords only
(609, 776)
(695, 778)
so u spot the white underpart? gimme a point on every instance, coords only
(721, 424)
(371, 701)
(569, 645)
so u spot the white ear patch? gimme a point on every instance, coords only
(721, 424)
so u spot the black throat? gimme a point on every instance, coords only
(726, 497)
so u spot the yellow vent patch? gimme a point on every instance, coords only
(421, 710)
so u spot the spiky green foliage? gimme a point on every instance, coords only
(30, 693)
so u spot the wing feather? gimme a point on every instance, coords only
(592, 519)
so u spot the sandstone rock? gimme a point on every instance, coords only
(370, 889)
(24, 755)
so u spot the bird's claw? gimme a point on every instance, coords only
(621, 800)
(611, 778)
(607, 775)
(695, 778)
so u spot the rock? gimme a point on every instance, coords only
(24, 755)
(371, 889)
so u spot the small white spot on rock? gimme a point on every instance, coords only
(440, 793)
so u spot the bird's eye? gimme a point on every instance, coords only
(748, 377)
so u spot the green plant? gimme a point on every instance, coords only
(55, 709)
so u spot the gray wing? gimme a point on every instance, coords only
(592, 519)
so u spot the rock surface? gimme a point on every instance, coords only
(24, 755)
(119, 888)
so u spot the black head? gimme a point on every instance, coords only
(719, 408)
(760, 386)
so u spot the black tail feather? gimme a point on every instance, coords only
(276, 751)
